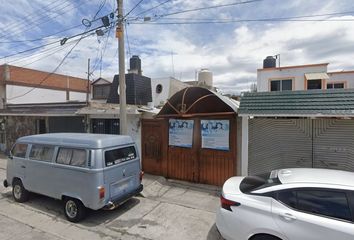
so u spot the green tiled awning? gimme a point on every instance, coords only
(328, 103)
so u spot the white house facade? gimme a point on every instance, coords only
(302, 77)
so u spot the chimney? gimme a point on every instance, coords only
(135, 65)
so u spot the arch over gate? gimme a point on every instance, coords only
(196, 156)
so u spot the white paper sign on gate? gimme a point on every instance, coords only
(215, 134)
(180, 133)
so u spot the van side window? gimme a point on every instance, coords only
(119, 155)
(19, 150)
(42, 153)
(71, 156)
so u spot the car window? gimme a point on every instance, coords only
(42, 153)
(257, 182)
(288, 197)
(19, 150)
(327, 203)
(116, 156)
(71, 156)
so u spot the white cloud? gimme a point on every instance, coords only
(232, 52)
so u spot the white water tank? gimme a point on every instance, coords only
(205, 77)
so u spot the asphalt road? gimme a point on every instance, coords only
(166, 210)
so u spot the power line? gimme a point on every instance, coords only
(50, 74)
(127, 37)
(238, 21)
(50, 54)
(51, 43)
(37, 22)
(150, 9)
(62, 61)
(261, 19)
(136, 5)
(302, 18)
(36, 14)
(210, 7)
(43, 38)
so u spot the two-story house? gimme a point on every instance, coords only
(301, 77)
(301, 116)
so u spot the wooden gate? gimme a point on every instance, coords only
(154, 146)
(189, 164)
(215, 166)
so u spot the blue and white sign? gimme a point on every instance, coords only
(180, 133)
(215, 134)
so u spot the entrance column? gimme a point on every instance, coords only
(244, 149)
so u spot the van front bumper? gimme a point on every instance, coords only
(116, 202)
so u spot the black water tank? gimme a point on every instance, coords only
(135, 63)
(269, 62)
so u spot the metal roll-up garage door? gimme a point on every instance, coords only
(333, 143)
(287, 143)
(279, 143)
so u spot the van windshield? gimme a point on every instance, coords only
(256, 182)
(116, 156)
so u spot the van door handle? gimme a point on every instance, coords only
(287, 216)
(23, 166)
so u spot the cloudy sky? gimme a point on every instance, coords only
(231, 40)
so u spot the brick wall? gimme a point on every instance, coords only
(34, 78)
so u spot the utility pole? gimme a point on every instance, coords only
(88, 81)
(121, 58)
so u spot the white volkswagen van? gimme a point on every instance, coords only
(84, 170)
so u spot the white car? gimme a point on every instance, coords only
(288, 204)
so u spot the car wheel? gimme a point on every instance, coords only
(264, 237)
(19, 193)
(74, 210)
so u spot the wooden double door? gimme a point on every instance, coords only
(194, 164)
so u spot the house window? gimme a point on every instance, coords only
(281, 85)
(101, 91)
(158, 88)
(314, 84)
(335, 85)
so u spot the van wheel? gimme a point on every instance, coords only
(74, 210)
(19, 193)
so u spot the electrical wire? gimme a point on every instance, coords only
(49, 74)
(152, 8)
(50, 54)
(51, 16)
(209, 7)
(59, 65)
(43, 38)
(267, 19)
(238, 21)
(301, 18)
(24, 18)
(127, 39)
(131, 10)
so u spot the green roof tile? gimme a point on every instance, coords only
(331, 102)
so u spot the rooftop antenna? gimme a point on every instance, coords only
(173, 65)
(278, 57)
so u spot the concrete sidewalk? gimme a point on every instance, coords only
(166, 210)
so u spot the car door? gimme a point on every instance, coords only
(313, 214)
(39, 169)
(18, 155)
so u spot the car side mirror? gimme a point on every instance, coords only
(10, 156)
